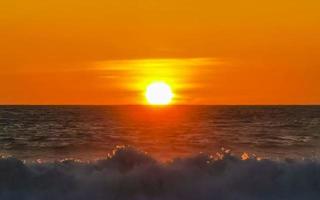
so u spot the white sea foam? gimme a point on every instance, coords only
(133, 175)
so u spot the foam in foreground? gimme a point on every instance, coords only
(130, 174)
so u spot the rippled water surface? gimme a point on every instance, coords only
(86, 132)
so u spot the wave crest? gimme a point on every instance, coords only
(131, 174)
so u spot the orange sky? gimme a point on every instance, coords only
(210, 52)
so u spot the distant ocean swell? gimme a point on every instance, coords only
(133, 175)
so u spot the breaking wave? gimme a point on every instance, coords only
(133, 175)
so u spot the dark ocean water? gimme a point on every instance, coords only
(284, 139)
(89, 132)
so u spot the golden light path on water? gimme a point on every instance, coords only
(162, 85)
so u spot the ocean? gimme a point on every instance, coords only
(170, 152)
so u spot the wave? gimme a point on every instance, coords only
(131, 174)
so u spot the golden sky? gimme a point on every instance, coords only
(210, 52)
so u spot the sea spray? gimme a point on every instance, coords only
(131, 174)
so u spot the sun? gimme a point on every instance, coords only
(159, 93)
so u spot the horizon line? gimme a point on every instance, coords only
(171, 105)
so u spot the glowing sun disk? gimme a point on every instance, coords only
(159, 93)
